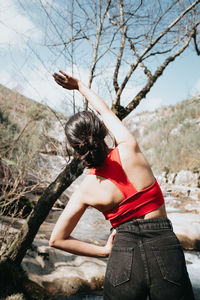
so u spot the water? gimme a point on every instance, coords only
(193, 266)
(93, 222)
(92, 226)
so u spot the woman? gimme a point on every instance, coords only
(145, 257)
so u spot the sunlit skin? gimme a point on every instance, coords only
(96, 191)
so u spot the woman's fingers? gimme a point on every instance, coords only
(65, 80)
(112, 236)
(59, 83)
(62, 72)
(110, 241)
(58, 76)
(60, 79)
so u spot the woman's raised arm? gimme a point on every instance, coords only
(111, 121)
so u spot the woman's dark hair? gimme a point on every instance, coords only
(85, 134)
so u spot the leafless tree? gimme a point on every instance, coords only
(126, 39)
(132, 41)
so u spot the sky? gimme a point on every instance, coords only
(180, 81)
(23, 71)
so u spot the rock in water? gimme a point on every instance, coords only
(58, 273)
(187, 228)
(187, 178)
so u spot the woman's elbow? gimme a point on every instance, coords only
(57, 242)
(52, 242)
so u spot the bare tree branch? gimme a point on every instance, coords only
(148, 48)
(195, 41)
(135, 102)
(51, 21)
(96, 48)
(86, 13)
(121, 50)
(161, 17)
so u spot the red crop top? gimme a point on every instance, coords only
(135, 203)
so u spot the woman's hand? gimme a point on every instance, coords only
(66, 81)
(110, 241)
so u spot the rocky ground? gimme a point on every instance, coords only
(58, 274)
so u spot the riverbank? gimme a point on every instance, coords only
(54, 274)
(57, 275)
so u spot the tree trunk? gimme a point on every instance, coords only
(17, 248)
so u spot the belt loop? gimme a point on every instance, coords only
(170, 223)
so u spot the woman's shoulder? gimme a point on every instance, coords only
(113, 162)
(123, 149)
(128, 150)
(90, 184)
(96, 191)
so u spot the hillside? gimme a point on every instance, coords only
(25, 121)
(170, 136)
(30, 133)
(32, 145)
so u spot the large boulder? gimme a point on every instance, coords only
(187, 178)
(54, 272)
(193, 267)
(187, 229)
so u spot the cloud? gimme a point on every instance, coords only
(6, 79)
(39, 85)
(14, 25)
(149, 104)
(42, 88)
(196, 88)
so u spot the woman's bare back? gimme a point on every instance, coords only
(104, 195)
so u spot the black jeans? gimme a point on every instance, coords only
(147, 262)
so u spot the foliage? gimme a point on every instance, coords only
(172, 139)
(16, 297)
(24, 126)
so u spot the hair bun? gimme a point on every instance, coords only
(86, 133)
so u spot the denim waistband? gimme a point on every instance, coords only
(147, 224)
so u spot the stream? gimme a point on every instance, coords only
(193, 266)
(93, 228)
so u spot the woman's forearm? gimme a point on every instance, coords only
(110, 120)
(71, 83)
(78, 247)
(95, 101)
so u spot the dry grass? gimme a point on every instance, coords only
(16, 297)
(24, 125)
(172, 140)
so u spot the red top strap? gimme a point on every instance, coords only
(135, 203)
(112, 170)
